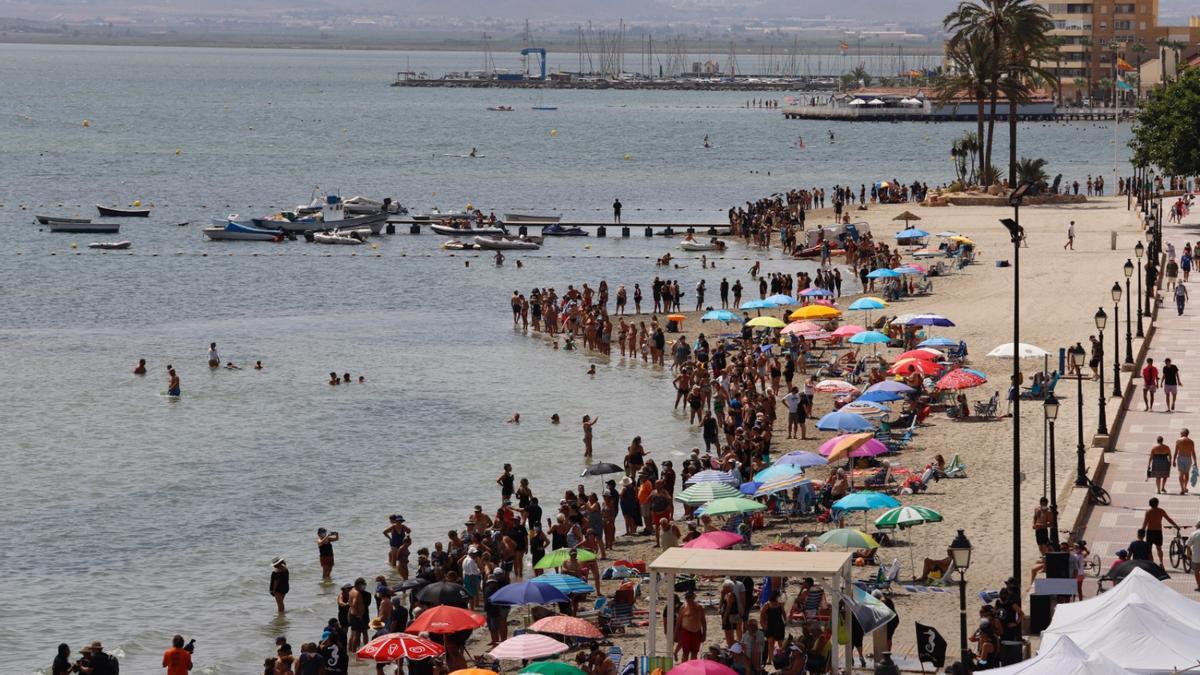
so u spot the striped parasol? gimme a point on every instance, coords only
(702, 493)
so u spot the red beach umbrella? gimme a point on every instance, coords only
(910, 365)
(445, 619)
(396, 646)
(959, 379)
(567, 625)
(715, 540)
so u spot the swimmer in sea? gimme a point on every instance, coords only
(515, 419)
(346, 378)
(588, 423)
(472, 152)
(554, 419)
(362, 380)
(499, 258)
(334, 380)
(172, 382)
(141, 367)
(258, 365)
(229, 365)
(592, 370)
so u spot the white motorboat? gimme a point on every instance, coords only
(363, 206)
(458, 245)
(233, 218)
(694, 245)
(110, 245)
(467, 230)
(507, 243)
(530, 219)
(437, 215)
(338, 237)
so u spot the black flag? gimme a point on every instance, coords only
(931, 646)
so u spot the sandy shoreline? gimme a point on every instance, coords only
(1060, 292)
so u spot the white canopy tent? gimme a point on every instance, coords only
(1139, 586)
(1135, 635)
(1064, 657)
(875, 101)
(832, 570)
(857, 101)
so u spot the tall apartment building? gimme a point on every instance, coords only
(1095, 33)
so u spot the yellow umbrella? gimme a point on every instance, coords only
(815, 312)
(765, 322)
(961, 239)
(842, 445)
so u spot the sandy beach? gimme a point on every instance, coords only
(1060, 292)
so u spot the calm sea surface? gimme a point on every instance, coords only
(128, 517)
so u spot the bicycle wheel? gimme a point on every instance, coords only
(1175, 552)
(1099, 495)
(1094, 564)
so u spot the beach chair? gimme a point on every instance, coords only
(924, 287)
(616, 654)
(883, 579)
(649, 664)
(988, 409)
(1042, 389)
(956, 468)
(899, 444)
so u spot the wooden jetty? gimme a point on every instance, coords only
(625, 230)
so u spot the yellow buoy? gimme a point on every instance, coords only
(137, 202)
(178, 151)
(86, 124)
(74, 245)
(554, 132)
(628, 157)
(587, 247)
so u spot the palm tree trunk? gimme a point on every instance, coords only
(979, 140)
(1012, 144)
(991, 131)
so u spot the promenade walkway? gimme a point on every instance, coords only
(1110, 528)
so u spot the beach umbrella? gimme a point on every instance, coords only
(411, 584)
(528, 593)
(879, 396)
(779, 485)
(749, 488)
(959, 379)
(824, 302)
(866, 408)
(758, 304)
(883, 273)
(730, 505)
(920, 269)
(909, 270)
(781, 300)
(815, 292)
(947, 233)
(926, 353)
(714, 476)
(869, 337)
(445, 619)
(395, 646)
(1024, 351)
(473, 671)
(867, 303)
(930, 320)
(848, 538)
(907, 216)
(801, 458)
(938, 342)
(556, 667)
(875, 101)
(569, 626)
(902, 319)
(702, 493)
(721, 315)
(715, 540)
(976, 373)
(558, 556)
(835, 387)
(566, 583)
(601, 469)
(866, 500)
(857, 101)
(848, 445)
(961, 239)
(443, 593)
(801, 328)
(908, 366)
(704, 666)
(1122, 570)
(528, 646)
(847, 330)
(907, 516)
(777, 472)
(782, 546)
(815, 312)
(891, 386)
(766, 322)
(840, 421)
(912, 233)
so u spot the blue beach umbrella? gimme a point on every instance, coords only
(869, 337)
(976, 373)
(912, 233)
(781, 300)
(563, 582)
(802, 459)
(721, 315)
(866, 500)
(528, 593)
(891, 385)
(865, 304)
(749, 488)
(880, 396)
(758, 304)
(938, 342)
(780, 485)
(815, 292)
(883, 273)
(777, 472)
(844, 422)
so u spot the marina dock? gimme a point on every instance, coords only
(960, 114)
(625, 230)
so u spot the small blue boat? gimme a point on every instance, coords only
(232, 231)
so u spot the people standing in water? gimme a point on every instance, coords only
(214, 359)
(588, 423)
(172, 382)
(325, 541)
(141, 367)
(279, 582)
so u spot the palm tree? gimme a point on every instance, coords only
(998, 22)
(972, 69)
(1059, 41)
(1032, 170)
(1079, 83)
(1028, 47)
(1086, 43)
(1162, 43)
(1139, 50)
(1177, 47)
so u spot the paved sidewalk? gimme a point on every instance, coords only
(1112, 527)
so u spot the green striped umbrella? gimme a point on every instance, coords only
(552, 668)
(558, 556)
(730, 505)
(907, 516)
(848, 538)
(702, 493)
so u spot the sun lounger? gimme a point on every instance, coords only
(956, 468)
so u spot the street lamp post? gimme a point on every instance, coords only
(1101, 321)
(1138, 251)
(960, 555)
(1077, 357)
(1013, 225)
(1128, 269)
(1116, 296)
(1050, 407)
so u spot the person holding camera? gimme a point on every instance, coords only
(178, 659)
(325, 541)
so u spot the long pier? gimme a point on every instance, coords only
(625, 230)
(680, 84)
(963, 114)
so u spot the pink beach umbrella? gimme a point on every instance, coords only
(715, 540)
(848, 330)
(800, 328)
(823, 301)
(701, 667)
(528, 646)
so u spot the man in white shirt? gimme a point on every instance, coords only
(1193, 547)
(794, 401)
(471, 576)
(214, 359)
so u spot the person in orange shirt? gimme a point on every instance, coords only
(645, 490)
(177, 660)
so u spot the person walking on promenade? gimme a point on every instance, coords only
(1158, 465)
(1171, 383)
(1193, 548)
(1184, 459)
(1070, 237)
(1152, 522)
(1149, 384)
(1181, 297)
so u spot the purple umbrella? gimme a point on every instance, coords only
(891, 385)
(802, 459)
(930, 320)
